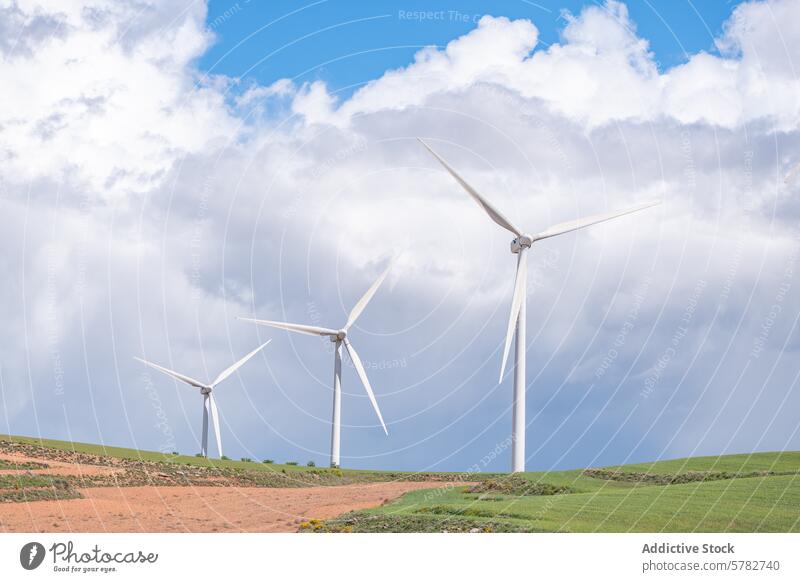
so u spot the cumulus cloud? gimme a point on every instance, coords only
(146, 204)
(109, 101)
(603, 72)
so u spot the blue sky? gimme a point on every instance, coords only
(267, 41)
(164, 174)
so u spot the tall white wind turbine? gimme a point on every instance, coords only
(207, 390)
(339, 337)
(517, 319)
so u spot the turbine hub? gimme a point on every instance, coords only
(340, 335)
(205, 390)
(521, 242)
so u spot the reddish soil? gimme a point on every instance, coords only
(197, 509)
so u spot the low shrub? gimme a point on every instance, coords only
(518, 486)
(465, 511)
(401, 523)
(675, 479)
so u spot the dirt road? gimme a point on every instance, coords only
(197, 509)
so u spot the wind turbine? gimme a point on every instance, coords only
(516, 321)
(339, 337)
(208, 397)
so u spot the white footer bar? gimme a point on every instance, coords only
(409, 557)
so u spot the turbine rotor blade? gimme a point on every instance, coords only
(571, 225)
(520, 287)
(362, 303)
(364, 380)
(493, 213)
(238, 364)
(176, 375)
(215, 420)
(299, 328)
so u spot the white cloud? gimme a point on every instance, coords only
(602, 72)
(111, 101)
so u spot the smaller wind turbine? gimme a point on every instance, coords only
(338, 337)
(208, 397)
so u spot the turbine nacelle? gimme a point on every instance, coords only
(523, 241)
(206, 390)
(339, 336)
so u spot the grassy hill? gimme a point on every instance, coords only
(138, 455)
(210, 463)
(732, 493)
(735, 493)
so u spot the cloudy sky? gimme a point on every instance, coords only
(167, 166)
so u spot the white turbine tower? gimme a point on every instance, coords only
(516, 321)
(339, 337)
(208, 396)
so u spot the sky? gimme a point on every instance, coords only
(168, 166)
(347, 44)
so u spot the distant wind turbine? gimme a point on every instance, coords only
(517, 319)
(208, 397)
(339, 337)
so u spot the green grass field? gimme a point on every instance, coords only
(733, 493)
(734, 501)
